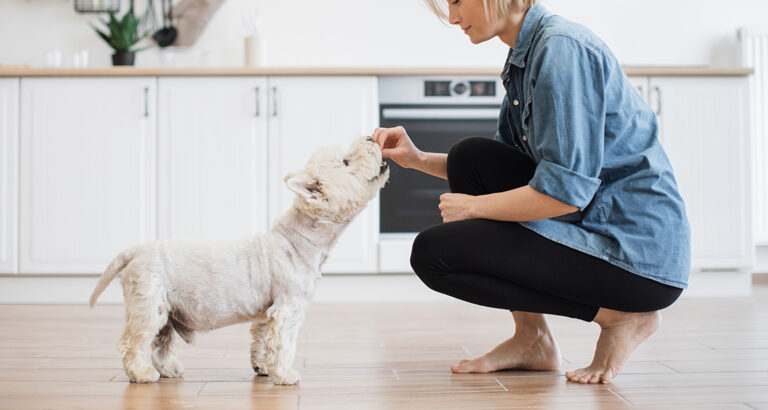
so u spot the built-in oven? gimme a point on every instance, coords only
(436, 112)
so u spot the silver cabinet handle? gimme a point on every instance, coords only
(146, 101)
(274, 101)
(658, 100)
(256, 110)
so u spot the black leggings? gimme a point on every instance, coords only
(505, 265)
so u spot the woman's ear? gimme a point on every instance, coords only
(304, 184)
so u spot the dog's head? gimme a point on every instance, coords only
(336, 185)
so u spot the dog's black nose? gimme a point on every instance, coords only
(369, 139)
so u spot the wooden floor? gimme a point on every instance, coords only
(708, 354)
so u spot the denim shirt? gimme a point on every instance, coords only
(572, 110)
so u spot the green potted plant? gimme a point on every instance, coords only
(123, 35)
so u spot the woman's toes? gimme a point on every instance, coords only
(463, 366)
(479, 365)
(583, 376)
(456, 368)
(588, 376)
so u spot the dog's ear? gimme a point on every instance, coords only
(303, 184)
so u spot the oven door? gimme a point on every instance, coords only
(409, 201)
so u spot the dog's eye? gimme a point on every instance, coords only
(346, 163)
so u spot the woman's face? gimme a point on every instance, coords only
(470, 16)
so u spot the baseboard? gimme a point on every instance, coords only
(330, 288)
(719, 284)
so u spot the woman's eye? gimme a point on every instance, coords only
(346, 163)
(455, 2)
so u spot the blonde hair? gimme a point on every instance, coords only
(494, 9)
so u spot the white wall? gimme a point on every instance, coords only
(390, 33)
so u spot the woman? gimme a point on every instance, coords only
(572, 209)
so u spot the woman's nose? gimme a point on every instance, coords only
(453, 16)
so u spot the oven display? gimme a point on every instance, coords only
(437, 88)
(482, 88)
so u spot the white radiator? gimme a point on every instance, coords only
(754, 54)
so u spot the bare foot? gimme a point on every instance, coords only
(619, 337)
(522, 351)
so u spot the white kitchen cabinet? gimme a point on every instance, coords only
(311, 112)
(9, 174)
(212, 157)
(704, 130)
(87, 171)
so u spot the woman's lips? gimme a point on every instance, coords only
(465, 30)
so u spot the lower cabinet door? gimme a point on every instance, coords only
(307, 113)
(87, 171)
(212, 157)
(9, 175)
(704, 130)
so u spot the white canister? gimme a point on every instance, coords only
(254, 52)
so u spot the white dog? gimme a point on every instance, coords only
(174, 288)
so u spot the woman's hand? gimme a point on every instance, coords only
(457, 207)
(397, 145)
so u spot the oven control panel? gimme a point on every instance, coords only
(447, 88)
(441, 90)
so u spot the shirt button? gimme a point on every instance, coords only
(525, 138)
(515, 102)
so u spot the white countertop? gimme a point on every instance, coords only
(22, 71)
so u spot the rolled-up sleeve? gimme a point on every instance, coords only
(567, 120)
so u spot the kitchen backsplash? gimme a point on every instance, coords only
(384, 33)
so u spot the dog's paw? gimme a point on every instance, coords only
(146, 374)
(171, 369)
(286, 376)
(257, 363)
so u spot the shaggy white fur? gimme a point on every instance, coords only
(173, 288)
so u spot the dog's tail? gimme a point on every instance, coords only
(115, 267)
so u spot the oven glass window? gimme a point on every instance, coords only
(409, 201)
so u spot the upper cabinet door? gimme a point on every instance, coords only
(9, 174)
(704, 130)
(307, 113)
(87, 171)
(212, 157)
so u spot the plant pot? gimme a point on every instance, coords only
(123, 58)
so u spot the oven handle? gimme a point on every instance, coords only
(441, 113)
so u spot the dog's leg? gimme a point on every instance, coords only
(258, 332)
(280, 336)
(145, 314)
(164, 350)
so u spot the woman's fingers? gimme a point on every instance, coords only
(380, 136)
(393, 143)
(375, 134)
(391, 153)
